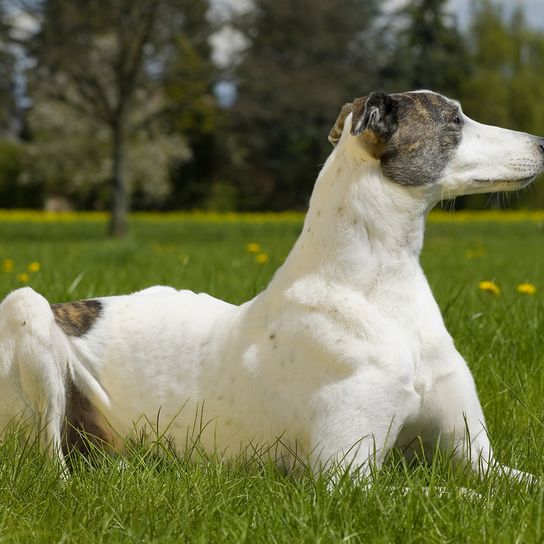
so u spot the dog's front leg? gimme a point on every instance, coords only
(456, 410)
(356, 423)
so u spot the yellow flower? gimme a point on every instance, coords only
(490, 287)
(253, 247)
(23, 277)
(7, 265)
(261, 258)
(526, 288)
(475, 253)
(34, 267)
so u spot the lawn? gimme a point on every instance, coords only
(157, 498)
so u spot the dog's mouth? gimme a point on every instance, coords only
(515, 181)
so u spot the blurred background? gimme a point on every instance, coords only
(226, 104)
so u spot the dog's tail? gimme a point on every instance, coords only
(82, 378)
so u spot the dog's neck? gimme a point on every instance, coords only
(359, 224)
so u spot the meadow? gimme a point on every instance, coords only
(151, 497)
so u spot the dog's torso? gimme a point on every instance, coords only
(194, 368)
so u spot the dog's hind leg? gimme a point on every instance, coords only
(33, 362)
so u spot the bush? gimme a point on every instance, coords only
(14, 191)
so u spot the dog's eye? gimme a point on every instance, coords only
(457, 120)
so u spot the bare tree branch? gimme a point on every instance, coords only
(132, 42)
(92, 91)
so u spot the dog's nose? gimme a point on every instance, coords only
(541, 144)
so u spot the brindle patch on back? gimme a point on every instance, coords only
(77, 318)
(428, 132)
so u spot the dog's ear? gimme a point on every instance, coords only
(376, 113)
(338, 127)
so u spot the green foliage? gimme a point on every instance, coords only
(429, 51)
(10, 163)
(509, 57)
(8, 110)
(507, 77)
(296, 72)
(193, 111)
(7, 93)
(15, 190)
(159, 498)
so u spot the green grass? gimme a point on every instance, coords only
(158, 498)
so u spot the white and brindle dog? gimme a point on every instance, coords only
(343, 356)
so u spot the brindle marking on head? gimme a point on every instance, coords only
(416, 139)
(428, 132)
(77, 318)
(81, 429)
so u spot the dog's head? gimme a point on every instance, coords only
(423, 139)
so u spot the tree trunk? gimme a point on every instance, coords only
(119, 203)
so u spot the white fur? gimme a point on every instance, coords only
(342, 356)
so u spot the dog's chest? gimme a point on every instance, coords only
(339, 315)
(396, 326)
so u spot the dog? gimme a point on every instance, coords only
(342, 357)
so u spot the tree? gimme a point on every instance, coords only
(8, 105)
(107, 60)
(68, 155)
(509, 67)
(505, 85)
(192, 107)
(429, 50)
(492, 53)
(303, 60)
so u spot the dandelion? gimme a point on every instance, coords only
(253, 247)
(526, 288)
(261, 258)
(490, 287)
(34, 267)
(23, 277)
(475, 253)
(7, 265)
